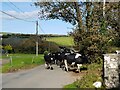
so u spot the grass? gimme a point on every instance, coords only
(21, 61)
(73, 85)
(90, 76)
(63, 41)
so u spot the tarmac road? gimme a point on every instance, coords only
(38, 77)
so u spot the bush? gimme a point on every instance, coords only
(45, 52)
(48, 46)
(8, 48)
(28, 45)
(94, 44)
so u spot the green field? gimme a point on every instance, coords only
(63, 41)
(21, 61)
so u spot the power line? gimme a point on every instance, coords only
(41, 28)
(15, 9)
(10, 6)
(16, 17)
(18, 8)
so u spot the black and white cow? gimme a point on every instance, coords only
(54, 58)
(75, 59)
(49, 59)
(60, 56)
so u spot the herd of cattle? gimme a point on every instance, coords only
(64, 58)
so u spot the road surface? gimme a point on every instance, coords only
(38, 77)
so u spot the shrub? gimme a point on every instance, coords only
(28, 45)
(8, 48)
(94, 44)
(45, 52)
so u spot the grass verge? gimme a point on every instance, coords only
(91, 75)
(21, 61)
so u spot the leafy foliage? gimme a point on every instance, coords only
(99, 35)
(8, 48)
(28, 45)
(94, 44)
(65, 11)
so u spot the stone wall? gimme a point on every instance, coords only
(112, 70)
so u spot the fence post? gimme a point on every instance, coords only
(33, 59)
(11, 60)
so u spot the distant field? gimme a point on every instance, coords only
(63, 41)
(21, 61)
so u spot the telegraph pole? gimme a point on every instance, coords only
(36, 38)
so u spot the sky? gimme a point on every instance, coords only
(28, 12)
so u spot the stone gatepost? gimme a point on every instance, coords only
(111, 70)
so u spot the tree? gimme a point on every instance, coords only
(8, 48)
(113, 18)
(88, 15)
(65, 11)
(76, 12)
(93, 31)
(28, 46)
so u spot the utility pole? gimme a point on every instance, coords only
(36, 38)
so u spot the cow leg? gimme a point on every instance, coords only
(61, 64)
(79, 65)
(55, 61)
(47, 66)
(51, 66)
(73, 64)
(66, 66)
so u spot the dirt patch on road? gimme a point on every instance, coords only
(78, 75)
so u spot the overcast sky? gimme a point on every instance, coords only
(28, 12)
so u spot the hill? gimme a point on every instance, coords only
(62, 41)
